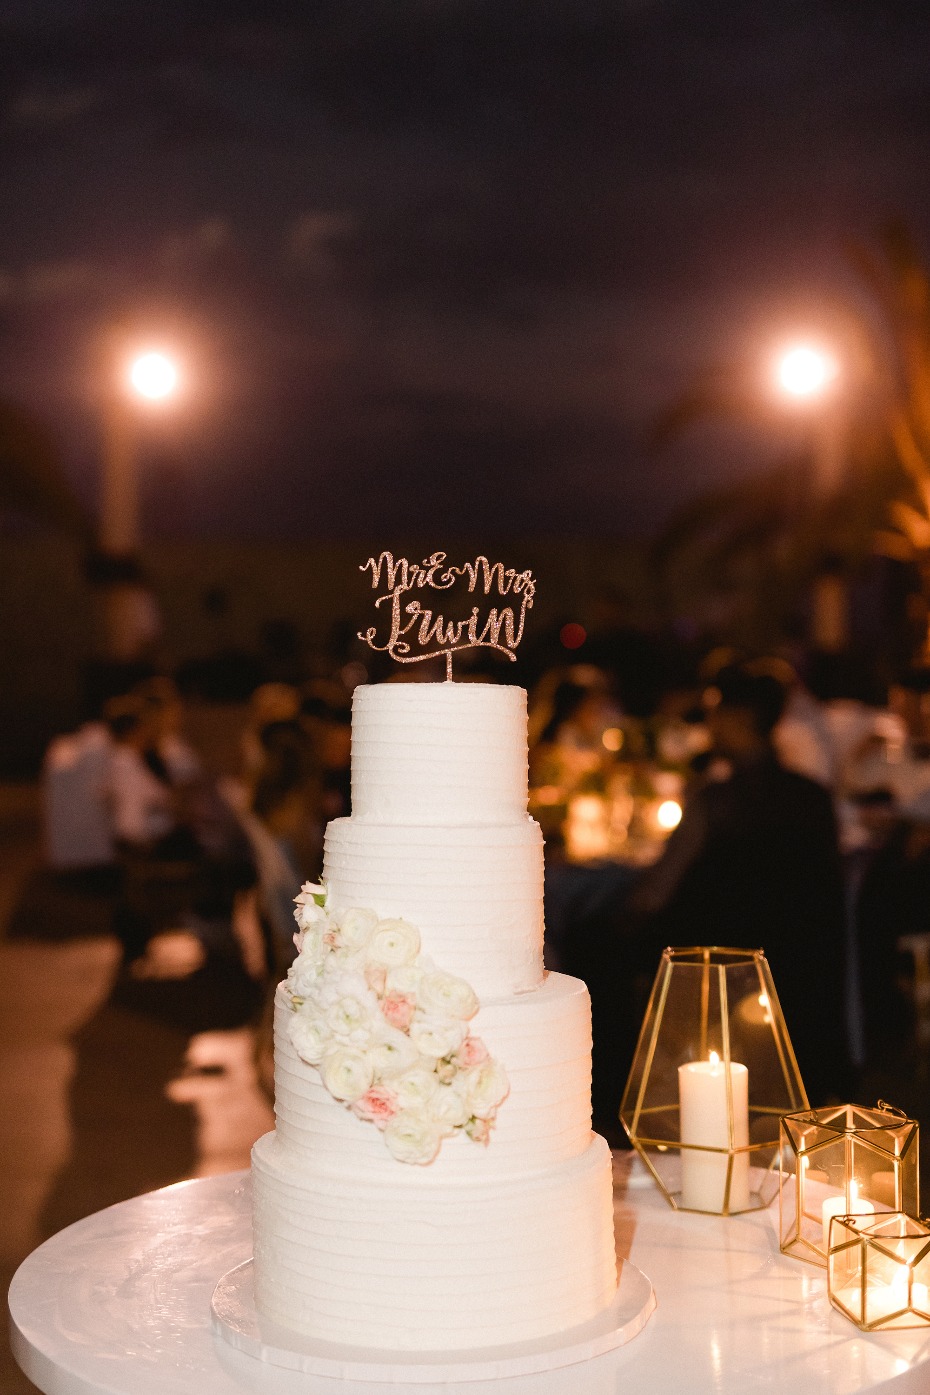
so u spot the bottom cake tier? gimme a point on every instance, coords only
(408, 1267)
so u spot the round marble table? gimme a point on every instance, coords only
(119, 1304)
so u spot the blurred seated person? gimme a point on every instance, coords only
(140, 796)
(286, 803)
(754, 863)
(169, 752)
(568, 723)
(271, 702)
(77, 827)
(896, 753)
(326, 717)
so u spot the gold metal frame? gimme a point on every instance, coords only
(698, 1005)
(878, 1271)
(862, 1155)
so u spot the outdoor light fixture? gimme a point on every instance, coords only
(154, 376)
(806, 371)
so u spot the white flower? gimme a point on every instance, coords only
(392, 1052)
(415, 1088)
(309, 905)
(486, 1086)
(346, 1074)
(347, 1004)
(412, 1139)
(406, 979)
(349, 1019)
(308, 966)
(356, 927)
(309, 1037)
(393, 943)
(444, 995)
(436, 1036)
(448, 1108)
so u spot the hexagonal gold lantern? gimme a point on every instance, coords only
(712, 1074)
(878, 1270)
(838, 1161)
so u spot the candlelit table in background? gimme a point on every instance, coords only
(119, 1304)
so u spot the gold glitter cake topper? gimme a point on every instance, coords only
(501, 628)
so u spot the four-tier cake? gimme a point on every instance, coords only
(374, 1224)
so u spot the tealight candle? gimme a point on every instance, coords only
(837, 1206)
(705, 1123)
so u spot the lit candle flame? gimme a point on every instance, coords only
(714, 1061)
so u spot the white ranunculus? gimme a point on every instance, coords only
(349, 1006)
(350, 1019)
(306, 969)
(309, 1037)
(405, 979)
(486, 1086)
(444, 995)
(346, 1074)
(415, 1088)
(393, 943)
(436, 1036)
(392, 1053)
(412, 1139)
(448, 1108)
(356, 926)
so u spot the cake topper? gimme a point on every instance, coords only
(500, 629)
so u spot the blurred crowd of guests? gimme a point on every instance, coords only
(753, 808)
(187, 859)
(749, 807)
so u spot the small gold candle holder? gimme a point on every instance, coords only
(712, 1075)
(878, 1270)
(842, 1161)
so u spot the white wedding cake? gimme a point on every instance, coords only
(434, 1209)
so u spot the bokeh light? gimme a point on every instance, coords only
(668, 814)
(806, 371)
(573, 635)
(154, 375)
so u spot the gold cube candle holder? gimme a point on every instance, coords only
(839, 1161)
(878, 1270)
(712, 1074)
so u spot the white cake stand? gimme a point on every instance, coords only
(236, 1319)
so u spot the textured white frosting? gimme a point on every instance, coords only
(544, 1041)
(474, 892)
(406, 1266)
(485, 1245)
(447, 753)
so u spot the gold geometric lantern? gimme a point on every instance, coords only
(712, 1074)
(843, 1161)
(878, 1270)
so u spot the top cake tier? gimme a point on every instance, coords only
(439, 753)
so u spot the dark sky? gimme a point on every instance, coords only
(436, 262)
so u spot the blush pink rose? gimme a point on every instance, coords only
(398, 1009)
(377, 1106)
(472, 1052)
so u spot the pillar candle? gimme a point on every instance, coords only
(702, 1094)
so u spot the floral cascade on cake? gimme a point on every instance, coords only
(388, 1031)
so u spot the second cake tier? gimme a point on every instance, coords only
(474, 892)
